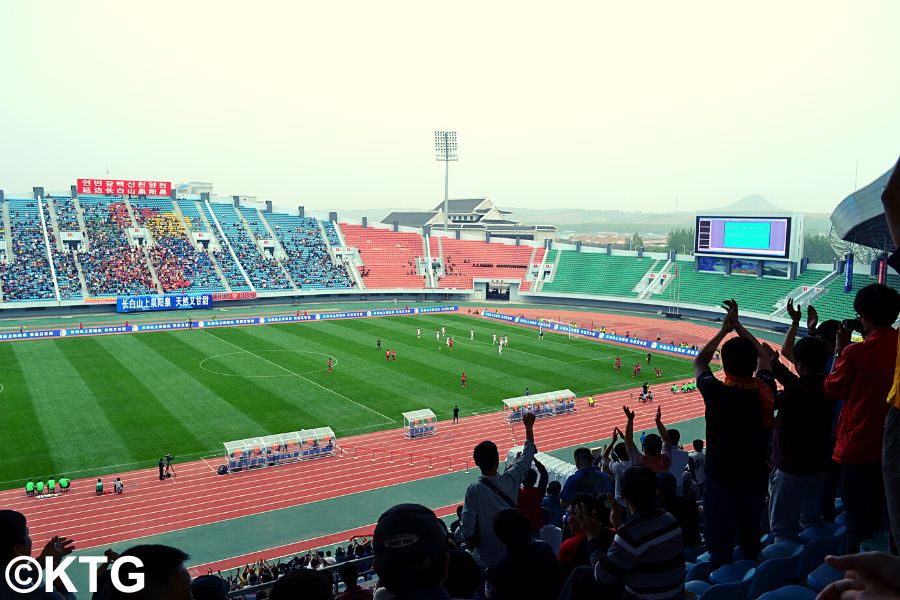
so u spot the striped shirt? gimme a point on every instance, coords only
(646, 557)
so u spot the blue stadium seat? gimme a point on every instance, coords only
(814, 533)
(732, 573)
(789, 592)
(775, 572)
(698, 572)
(780, 550)
(816, 550)
(822, 576)
(723, 591)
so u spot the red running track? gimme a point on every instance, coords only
(198, 496)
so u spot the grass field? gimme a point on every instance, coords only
(88, 405)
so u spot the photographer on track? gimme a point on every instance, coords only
(862, 376)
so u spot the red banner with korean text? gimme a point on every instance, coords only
(226, 296)
(120, 187)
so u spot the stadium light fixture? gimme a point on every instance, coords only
(445, 149)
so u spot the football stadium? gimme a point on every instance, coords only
(226, 397)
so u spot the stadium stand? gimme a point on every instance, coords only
(389, 258)
(26, 276)
(111, 266)
(308, 261)
(191, 215)
(223, 257)
(464, 260)
(66, 214)
(67, 281)
(598, 274)
(266, 274)
(179, 266)
(754, 294)
(331, 233)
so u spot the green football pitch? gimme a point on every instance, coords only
(89, 405)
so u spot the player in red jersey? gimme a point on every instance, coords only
(450, 343)
(387, 355)
(658, 372)
(393, 356)
(462, 380)
(635, 370)
(618, 363)
(329, 364)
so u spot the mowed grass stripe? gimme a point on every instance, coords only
(273, 403)
(435, 373)
(193, 403)
(20, 414)
(76, 429)
(148, 428)
(491, 377)
(341, 407)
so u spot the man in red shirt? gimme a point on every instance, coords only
(532, 494)
(863, 375)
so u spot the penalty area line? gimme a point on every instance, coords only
(338, 394)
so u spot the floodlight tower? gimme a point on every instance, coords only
(445, 150)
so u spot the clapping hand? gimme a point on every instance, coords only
(812, 319)
(629, 414)
(772, 352)
(589, 524)
(793, 313)
(731, 316)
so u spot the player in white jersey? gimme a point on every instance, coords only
(494, 340)
(437, 336)
(471, 334)
(418, 333)
(500, 350)
(443, 330)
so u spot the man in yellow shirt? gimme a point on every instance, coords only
(890, 458)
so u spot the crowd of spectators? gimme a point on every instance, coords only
(308, 261)
(179, 266)
(25, 275)
(111, 266)
(266, 274)
(63, 263)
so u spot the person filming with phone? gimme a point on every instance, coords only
(862, 376)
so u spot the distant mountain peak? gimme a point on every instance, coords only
(753, 203)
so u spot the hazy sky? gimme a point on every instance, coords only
(576, 104)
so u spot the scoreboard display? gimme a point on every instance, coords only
(761, 237)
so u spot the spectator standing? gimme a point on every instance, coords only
(550, 534)
(684, 510)
(552, 503)
(657, 454)
(588, 479)
(891, 450)
(303, 583)
(411, 552)
(802, 441)
(739, 418)
(532, 494)
(862, 374)
(697, 465)
(646, 558)
(15, 542)
(165, 575)
(491, 493)
(507, 579)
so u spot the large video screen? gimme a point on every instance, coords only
(744, 236)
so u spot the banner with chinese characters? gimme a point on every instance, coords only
(167, 302)
(120, 187)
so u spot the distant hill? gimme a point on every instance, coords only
(581, 220)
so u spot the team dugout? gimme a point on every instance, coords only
(280, 448)
(545, 404)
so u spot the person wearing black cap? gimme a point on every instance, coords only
(15, 541)
(509, 577)
(165, 576)
(411, 553)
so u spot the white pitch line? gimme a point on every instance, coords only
(372, 410)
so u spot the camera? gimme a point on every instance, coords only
(852, 325)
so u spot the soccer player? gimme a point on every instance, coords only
(494, 340)
(418, 333)
(387, 355)
(658, 372)
(450, 343)
(378, 343)
(462, 380)
(437, 336)
(443, 330)
(635, 371)
(541, 333)
(618, 363)
(329, 364)
(471, 334)
(649, 356)
(393, 356)
(500, 350)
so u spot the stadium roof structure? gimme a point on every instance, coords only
(470, 214)
(859, 218)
